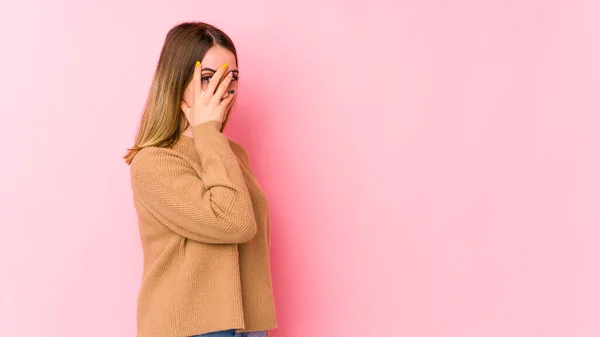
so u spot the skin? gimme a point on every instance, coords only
(208, 96)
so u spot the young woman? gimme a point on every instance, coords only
(202, 215)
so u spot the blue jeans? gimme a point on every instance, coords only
(232, 333)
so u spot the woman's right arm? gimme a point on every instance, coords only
(214, 207)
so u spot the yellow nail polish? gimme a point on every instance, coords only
(224, 66)
(197, 63)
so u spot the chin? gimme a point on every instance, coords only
(224, 124)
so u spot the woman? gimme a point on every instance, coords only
(202, 215)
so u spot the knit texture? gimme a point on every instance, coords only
(205, 233)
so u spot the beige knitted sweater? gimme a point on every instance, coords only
(205, 233)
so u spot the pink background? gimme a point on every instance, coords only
(433, 166)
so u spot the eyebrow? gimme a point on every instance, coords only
(214, 71)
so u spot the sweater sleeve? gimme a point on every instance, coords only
(213, 207)
(237, 147)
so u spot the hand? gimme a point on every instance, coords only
(212, 103)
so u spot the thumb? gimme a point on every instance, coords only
(228, 99)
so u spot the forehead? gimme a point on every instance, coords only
(216, 56)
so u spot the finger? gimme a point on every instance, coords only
(232, 100)
(216, 79)
(222, 90)
(226, 102)
(197, 80)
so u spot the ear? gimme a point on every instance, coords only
(185, 107)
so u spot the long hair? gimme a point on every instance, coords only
(161, 122)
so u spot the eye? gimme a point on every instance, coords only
(206, 78)
(235, 78)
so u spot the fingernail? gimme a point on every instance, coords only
(197, 63)
(232, 91)
(224, 65)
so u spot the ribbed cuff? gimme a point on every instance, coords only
(202, 127)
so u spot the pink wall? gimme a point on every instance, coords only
(432, 165)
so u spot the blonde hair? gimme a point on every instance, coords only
(163, 120)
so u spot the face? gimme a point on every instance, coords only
(214, 58)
